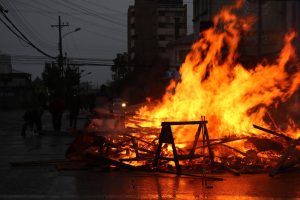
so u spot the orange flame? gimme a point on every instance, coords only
(215, 85)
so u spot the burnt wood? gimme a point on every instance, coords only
(272, 132)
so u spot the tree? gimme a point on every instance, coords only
(53, 78)
(72, 79)
(61, 82)
(39, 92)
(120, 68)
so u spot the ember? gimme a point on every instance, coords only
(232, 98)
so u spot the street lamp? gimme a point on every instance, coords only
(63, 36)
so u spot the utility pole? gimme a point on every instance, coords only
(60, 59)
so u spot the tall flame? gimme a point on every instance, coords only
(215, 85)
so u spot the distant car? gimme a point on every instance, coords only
(118, 106)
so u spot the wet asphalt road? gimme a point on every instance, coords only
(48, 183)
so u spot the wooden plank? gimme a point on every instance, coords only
(192, 152)
(234, 149)
(184, 123)
(139, 139)
(181, 157)
(223, 141)
(273, 132)
(143, 150)
(135, 159)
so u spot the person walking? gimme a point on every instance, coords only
(56, 108)
(28, 122)
(37, 119)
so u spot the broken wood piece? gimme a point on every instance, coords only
(289, 152)
(182, 157)
(143, 149)
(234, 149)
(139, 139)
(135, 159)
(224, 141)
(273, 132)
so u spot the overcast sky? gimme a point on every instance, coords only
(103, 31)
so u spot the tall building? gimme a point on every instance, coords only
(152, 24)
(273, 20)
(5, 63)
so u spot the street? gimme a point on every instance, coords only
(45, 182)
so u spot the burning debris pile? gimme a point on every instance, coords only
(164, 134)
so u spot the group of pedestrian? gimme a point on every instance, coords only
(56, 107)
(33, 120)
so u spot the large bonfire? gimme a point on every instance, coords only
(215, 85)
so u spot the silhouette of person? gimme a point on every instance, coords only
(56, 108)
(28, 122)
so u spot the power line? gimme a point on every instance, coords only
(103, 6)
(94, 13)
(15, 33)
(34, 60)
(78, 7)
(33, 57)
(25, 25)
(41, 11)
(21, 34)
(81, 19)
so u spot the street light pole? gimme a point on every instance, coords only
(60, 57)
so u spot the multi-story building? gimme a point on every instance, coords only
(151, 26)
(273, 19)
(178, 49)
(15, 86)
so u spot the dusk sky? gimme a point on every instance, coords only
(103, 31)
